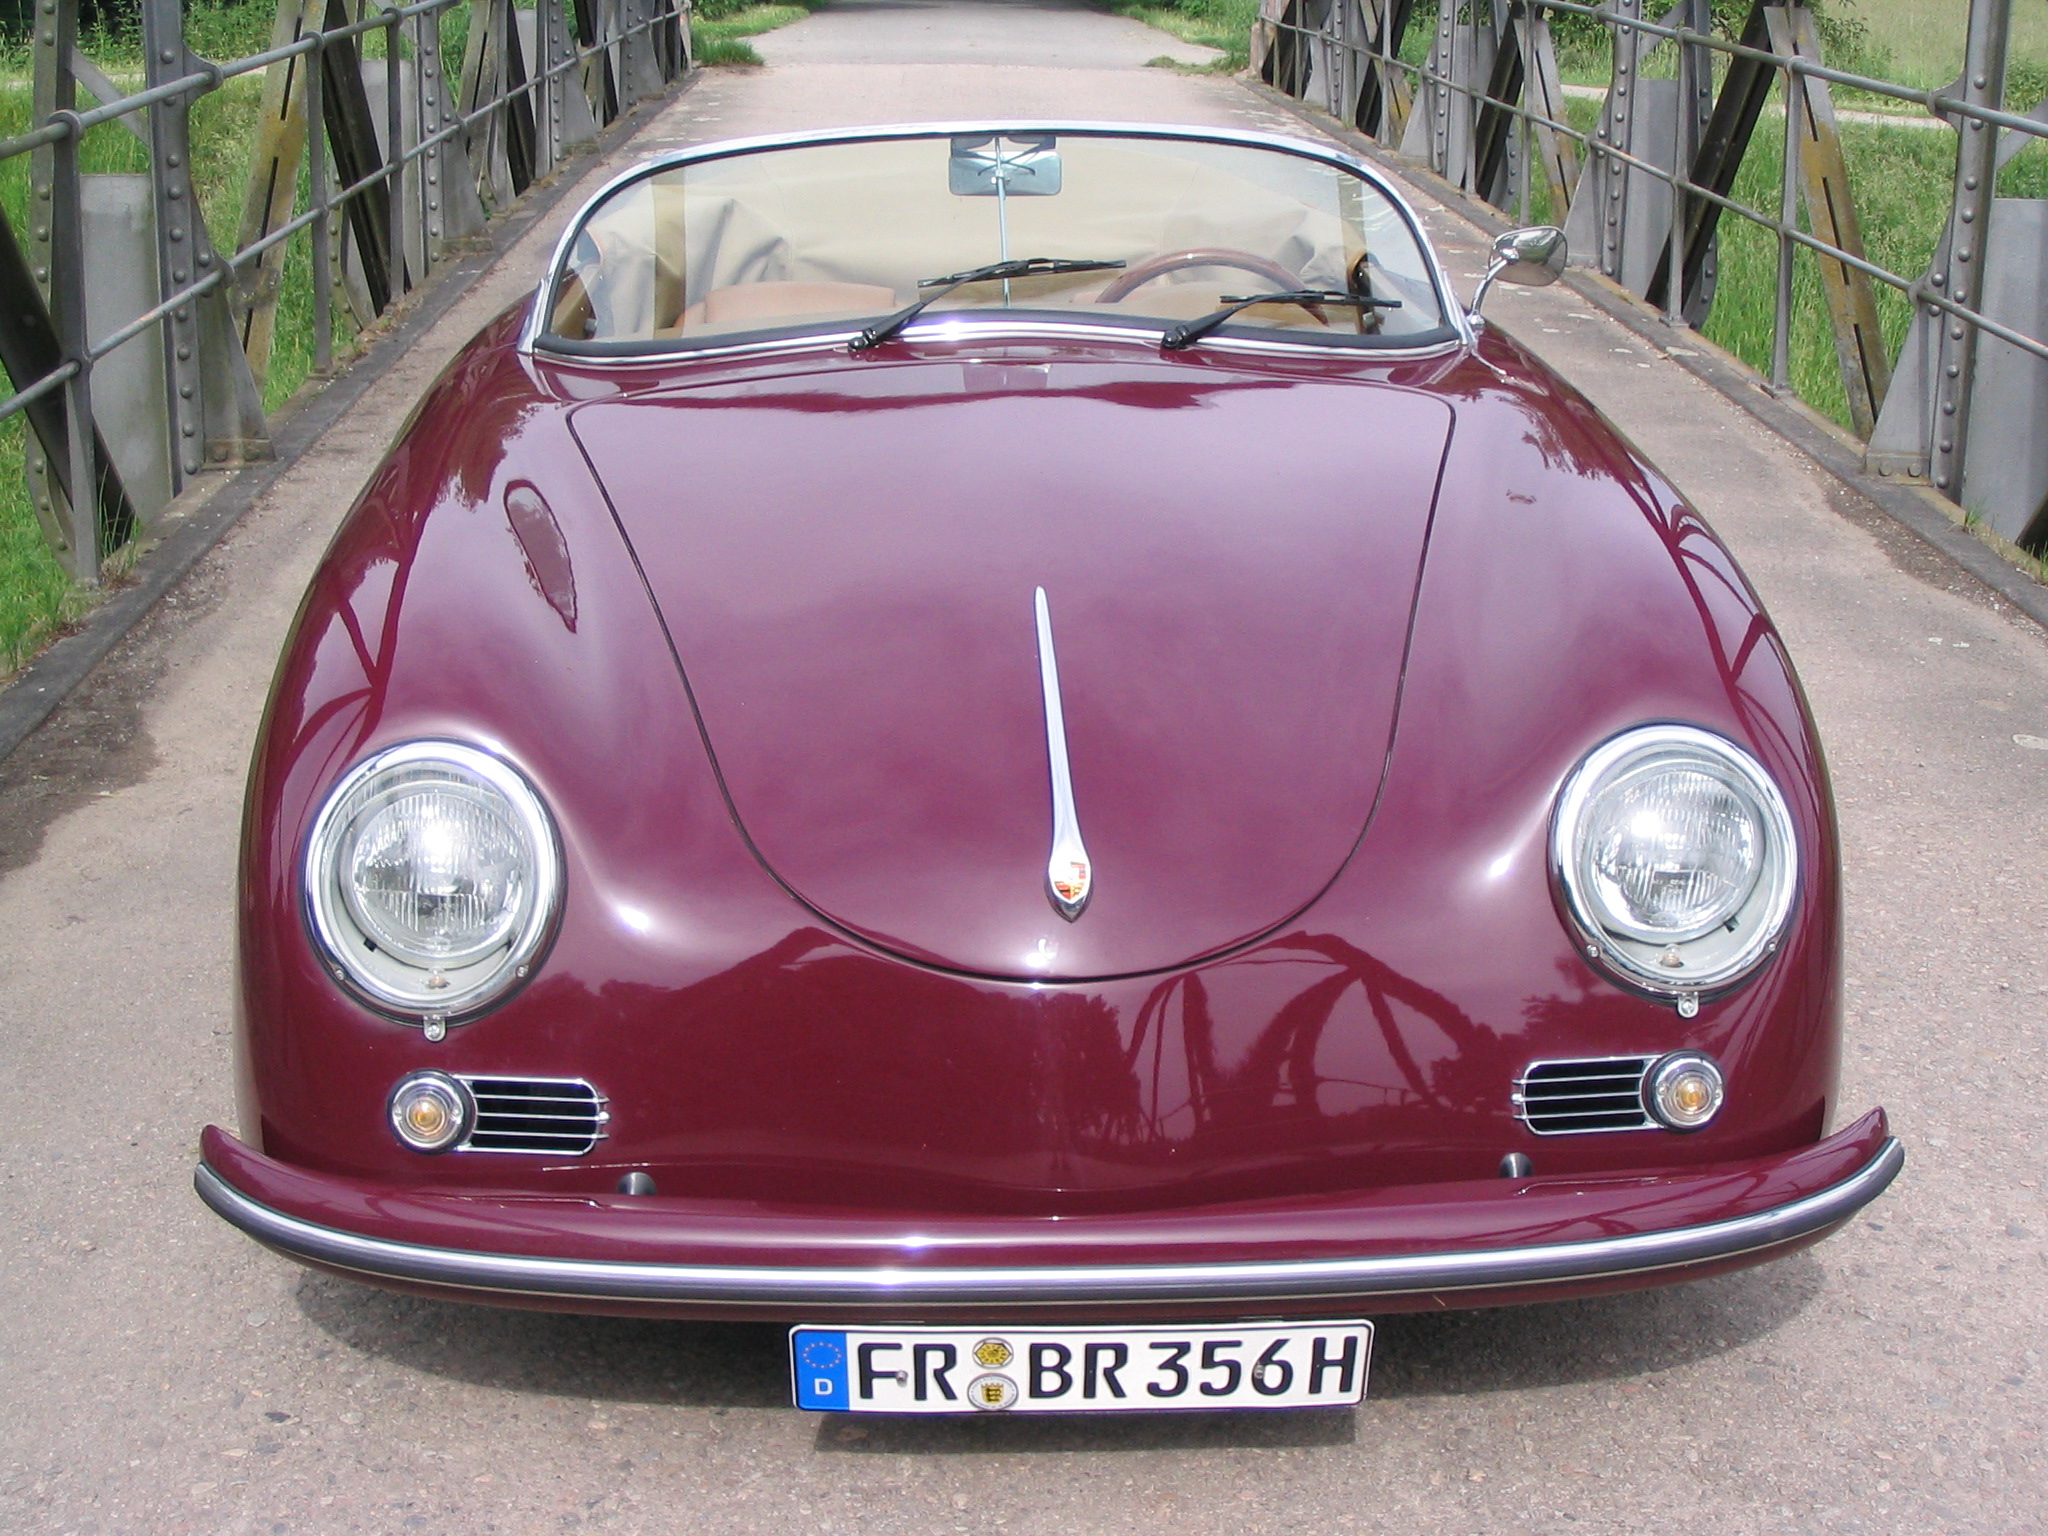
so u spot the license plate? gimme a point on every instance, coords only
(1079, 1370)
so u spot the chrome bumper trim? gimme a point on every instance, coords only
(1396, 1275)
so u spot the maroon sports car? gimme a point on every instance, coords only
(1024, 747)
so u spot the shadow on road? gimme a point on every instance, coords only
(743, 1365)
(1606, 1337)
(877, 1435)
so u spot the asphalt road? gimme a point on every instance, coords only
(158, 1373)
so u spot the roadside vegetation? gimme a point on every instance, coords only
(1901, 176)
(1221, 24)
(38, 602)
(719, 29)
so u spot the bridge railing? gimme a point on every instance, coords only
(136, 346)
(1642, 195)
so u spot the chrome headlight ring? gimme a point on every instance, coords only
(1675, 861)
(431, 881)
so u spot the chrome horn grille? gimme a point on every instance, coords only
(559, 1117)
(1563, 1098)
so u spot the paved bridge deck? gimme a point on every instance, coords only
(162, 1374)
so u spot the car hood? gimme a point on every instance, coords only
(847, 561)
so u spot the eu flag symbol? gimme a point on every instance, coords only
(818, 1362)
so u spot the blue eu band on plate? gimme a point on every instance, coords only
(1080, 1370)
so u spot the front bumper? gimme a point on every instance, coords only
(1421, 1247)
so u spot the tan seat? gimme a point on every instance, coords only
(743, 302)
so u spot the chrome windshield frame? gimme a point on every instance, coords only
(1455, 317)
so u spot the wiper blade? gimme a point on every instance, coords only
(1188, 332)
(1029, 266)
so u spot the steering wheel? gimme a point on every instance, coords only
(1132, 278)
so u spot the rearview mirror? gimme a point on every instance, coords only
(1530, 258)
(1008, 165)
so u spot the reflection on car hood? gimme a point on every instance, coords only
(846, 561)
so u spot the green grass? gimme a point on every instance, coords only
(1220, 24)
(36, 598)
(1902, 179)
(718, 32)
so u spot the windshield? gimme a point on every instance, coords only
(841, 237)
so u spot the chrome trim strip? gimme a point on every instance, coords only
(963, 325)
(1394, 1275)
(1447, 303)
(1069, 877)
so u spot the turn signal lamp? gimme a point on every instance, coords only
(431, 1111)
(1684, 1091)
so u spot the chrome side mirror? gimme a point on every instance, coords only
(1532, 258)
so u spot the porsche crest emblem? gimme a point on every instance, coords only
(1070, 881)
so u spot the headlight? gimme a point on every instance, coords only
(1674, 853)
(432, 878)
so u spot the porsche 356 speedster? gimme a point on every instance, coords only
(1027, 748)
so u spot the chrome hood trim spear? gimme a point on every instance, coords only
(1068, 876)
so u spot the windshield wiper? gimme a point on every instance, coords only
(1188, 332)
(1029, 266)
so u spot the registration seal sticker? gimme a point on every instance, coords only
(992, 1393)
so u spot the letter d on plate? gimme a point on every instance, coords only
(818, 1368)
